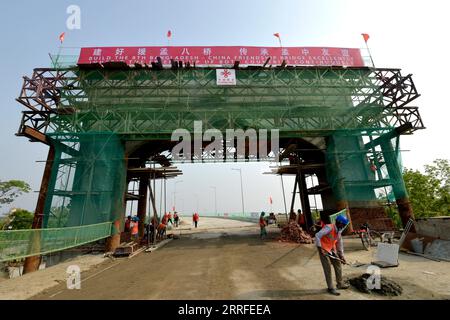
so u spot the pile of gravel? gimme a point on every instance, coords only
(387, 287)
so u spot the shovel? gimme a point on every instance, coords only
(354, 265)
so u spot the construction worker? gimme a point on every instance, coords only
(165, 218)
(169, 218)
(292, 216)
(262, 225)
(331, 252)
(161, 231)
(301, 219)
(151, 227)
(176, 218)
(127, 224)
(135, 228)
(195, 218)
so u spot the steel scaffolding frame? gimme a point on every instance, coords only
(143, 103)
(74, 106)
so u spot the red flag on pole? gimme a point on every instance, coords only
(62, 36)
(365, 36)
(278, 36)
(270, 199)
(169, 34)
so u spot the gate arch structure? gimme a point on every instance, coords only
(105, 123)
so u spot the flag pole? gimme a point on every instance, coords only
(61, 40)
(58, 55)
(370, 55)
(366, 38)
(169, 37)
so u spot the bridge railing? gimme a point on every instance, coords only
(18, 244)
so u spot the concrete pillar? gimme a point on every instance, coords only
(32, 263)
(114, 241)
(142, 204)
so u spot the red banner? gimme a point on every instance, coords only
(222, 56)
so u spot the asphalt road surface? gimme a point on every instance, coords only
(221, 260)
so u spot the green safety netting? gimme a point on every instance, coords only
(361, 173)
(85, 195)
(88, 180)
(17, 244)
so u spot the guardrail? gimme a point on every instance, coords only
(18, 244)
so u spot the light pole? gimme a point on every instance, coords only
(196, 196)
(175, 196)
(182, 204)
(215, 198)
(242, 190)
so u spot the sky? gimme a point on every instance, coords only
(411, 35)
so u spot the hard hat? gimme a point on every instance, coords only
(341, 219)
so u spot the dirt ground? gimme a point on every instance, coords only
(225, 259)
(31, 284)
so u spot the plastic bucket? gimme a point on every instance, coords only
(417, 245)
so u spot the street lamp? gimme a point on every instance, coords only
(242, 190)
(175, 195)
(215, 198)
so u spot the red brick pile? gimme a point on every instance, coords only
(294, 233)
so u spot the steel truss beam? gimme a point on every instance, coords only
(150, 104)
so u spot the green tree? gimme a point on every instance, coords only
(10, 190)
(19, 219)
(429, 192)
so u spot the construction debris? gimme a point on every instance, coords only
(126, 249)
(294, 233)
(387, 287)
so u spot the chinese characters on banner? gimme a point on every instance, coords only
(220, 56)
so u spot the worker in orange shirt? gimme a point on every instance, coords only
(165, 218)
(134, 225)
(161, 231)
(331, 252)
